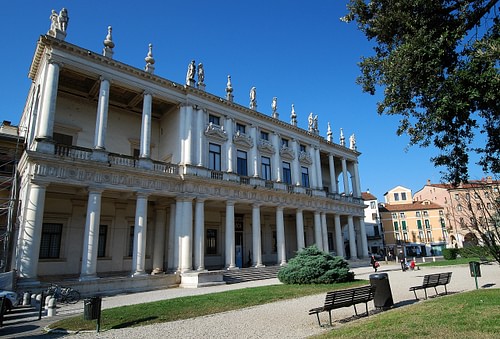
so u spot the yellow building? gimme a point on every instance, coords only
(416, 227)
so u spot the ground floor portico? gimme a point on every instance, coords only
(93, 225)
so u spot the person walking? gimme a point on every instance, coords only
(402, 261)
(374, 263)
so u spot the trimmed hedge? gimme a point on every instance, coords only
(312, 266)
(450, 253)
(474, 252)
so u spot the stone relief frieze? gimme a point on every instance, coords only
(266, 146)
(241, 139)
(216, 132)
(305, 158)
(287, 153)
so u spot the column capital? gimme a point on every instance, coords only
(54, 61)
(148, 92)
(143, 195)
(230, 202)
(256, 205)
(95, 189)
(105, 78)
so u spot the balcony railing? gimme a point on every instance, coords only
(114, 159)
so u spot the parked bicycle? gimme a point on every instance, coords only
(66, 295)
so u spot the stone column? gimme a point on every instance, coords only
(182, 132)
(280, 236)
(356, 180)
(256, 239)
(31, 235)
(202, 143)
(352, 238)
(145, 147)
(364, 240)
(300, 229)
(296, 170)
(318, 238)
(102, 115)
(276, 159)
(346, 178)
(186, 236)
(339, 240)
(172, 259)
(254, 152)
(199, 235)
(91, 236)
(230, 242)
(324, 229)
(314, 172)
(140, 228)
(230, 146)
(159, 239)
(189, 139)
(318, 169)
(333, 175)
(45, 123)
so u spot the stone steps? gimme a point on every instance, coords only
(251, 274)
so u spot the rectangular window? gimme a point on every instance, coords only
(427, 223)
(303, 148)
(396, 226)
(403, 225)
(441, 212)
(287, 173)
(305, 176)
(396, 196)
(373, 205)
(214, 157)
(50, 245)
(426, 213)
(403, 195)
(241, 163)
(421, 235)
(330, 241)
(265, 168)
(405, 236)
(211, 247)
(240, 128)
(417, 214)
(63, 139)
(101, 245)
(443, 224)
(264, 135)
(131, 241)
(214, 119)
(419, 224)
(394, 215)
(284, 142)
(402, 215)
(429, 236)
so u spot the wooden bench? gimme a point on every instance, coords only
(433, 281)
(345, 298)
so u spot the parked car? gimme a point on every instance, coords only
(10, 300)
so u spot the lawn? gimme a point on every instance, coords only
(195, 306)
(472, 314)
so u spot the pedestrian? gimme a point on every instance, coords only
(374, 263)
(402, 261)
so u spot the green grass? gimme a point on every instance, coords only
(195, 306)
(472, 314)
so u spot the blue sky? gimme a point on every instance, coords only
(297, 51)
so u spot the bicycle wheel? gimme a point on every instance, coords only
(72, 297)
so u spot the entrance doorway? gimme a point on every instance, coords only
(238, 240)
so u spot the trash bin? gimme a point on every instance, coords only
(475, 269)
(383, 294)
(92, 308)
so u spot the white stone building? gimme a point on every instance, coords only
(126, 171)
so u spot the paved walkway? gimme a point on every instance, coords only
(277, 320)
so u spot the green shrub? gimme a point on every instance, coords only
(450, 253)
(473, 252)
(312, 266)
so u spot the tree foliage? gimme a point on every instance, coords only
(437, 62)
(312, 266)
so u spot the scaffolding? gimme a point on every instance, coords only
(10, 146)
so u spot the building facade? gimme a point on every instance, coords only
(416, 227)
(464, 205)
(374, 231)
(126, 171)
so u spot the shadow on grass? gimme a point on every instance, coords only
(133, 323)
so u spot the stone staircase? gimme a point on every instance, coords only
(251, 274)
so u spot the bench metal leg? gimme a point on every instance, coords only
(435, 289)
(355, 310)
(366, 304)
(425, 290)
(319, 322)
(445, 290)
(330, 317)
(415, 292)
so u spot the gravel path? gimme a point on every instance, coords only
(284, 319)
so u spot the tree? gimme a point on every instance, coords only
(437, 62)
(478, 206)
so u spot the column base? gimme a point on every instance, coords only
(157, 271)
(138, 274)
(146, 163)
(232, 268)
(100, 155)
(259, 265)
(88, 277)
(45, 145)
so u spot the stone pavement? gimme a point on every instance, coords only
(282, 319)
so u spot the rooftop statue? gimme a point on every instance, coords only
(274, 107)
(253, 98)
(58, 24)
(190, 73)
(310, 121)
(201, 74)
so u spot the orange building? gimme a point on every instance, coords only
(416, 227)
